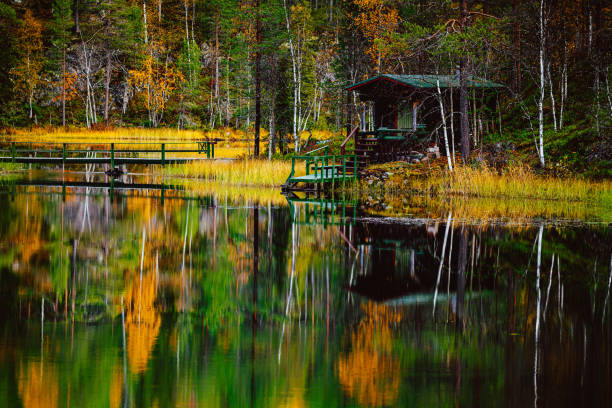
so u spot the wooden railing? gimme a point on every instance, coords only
(350, 135)
(66, 153)
(324, 169)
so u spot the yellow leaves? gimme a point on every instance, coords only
(157, 81)
(142, 321)
(26, 74)
(369, 372)
(377, 21)
(38, 385)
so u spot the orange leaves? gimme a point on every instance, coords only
(67, 85)
(377, 21)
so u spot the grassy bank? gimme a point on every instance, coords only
(245, 172)
(514, 182)
(9, 170)
(483, 193)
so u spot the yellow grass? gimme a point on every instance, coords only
(80, 135)
(233, 193)
(521, 182)
(234, 143)
(487, 194)
(516, 182)
(485, 211)
(245, 172)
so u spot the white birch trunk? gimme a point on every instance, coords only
(452, 124)
(144, 16)
(448, 153)
(607, 92)
(542, 85)
(563, 86)
(552, 98)
(295, 80)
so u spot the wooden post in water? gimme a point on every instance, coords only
(112, 157)
(343, 171)
(63, 155)
(163, 157)
(333, 172)
(13, 152)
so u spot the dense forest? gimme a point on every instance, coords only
(282, 65)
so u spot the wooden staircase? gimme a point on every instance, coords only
(366, 150)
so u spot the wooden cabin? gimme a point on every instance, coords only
(401, 113)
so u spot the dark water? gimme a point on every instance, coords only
(126, 300)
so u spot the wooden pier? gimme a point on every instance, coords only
(110, 153)
(320, 170)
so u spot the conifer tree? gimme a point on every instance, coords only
(61, 27)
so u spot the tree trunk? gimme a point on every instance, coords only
(272, 132)
(452, 123)
(144, 17)
(107, 85)
(64, 86)
(463, 95)
(257, 82)
(448, 153)
(552, 98)
(77, 28)
(542, 85)
(563, 86)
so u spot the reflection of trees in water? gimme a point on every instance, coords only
(38, 385)
(370, 371)
(142, 321)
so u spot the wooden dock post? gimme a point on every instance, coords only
(343, 172)
(63, 155)
(13, 152)
(163, 157)
(112, 157)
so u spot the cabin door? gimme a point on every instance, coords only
(404, 115)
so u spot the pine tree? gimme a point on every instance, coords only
(61, 27)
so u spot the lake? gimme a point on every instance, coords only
(157, 295)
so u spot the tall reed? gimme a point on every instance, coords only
(517, 181)
(246, 172)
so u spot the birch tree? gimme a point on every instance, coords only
(298, 25)
(542, 85)
(443, 115)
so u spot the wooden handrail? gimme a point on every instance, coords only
(352, 134)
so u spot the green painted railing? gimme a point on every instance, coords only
(324, 169)
(323, 211)
(64, 153)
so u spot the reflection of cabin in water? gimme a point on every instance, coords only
(401, 113)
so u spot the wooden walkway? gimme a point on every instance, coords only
(322, 210)
(325, 169)
(73, 153)
(109, 189)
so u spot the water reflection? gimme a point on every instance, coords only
(219, 301)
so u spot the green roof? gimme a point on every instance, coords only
(427, 81)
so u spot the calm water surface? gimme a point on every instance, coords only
(131, 300)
